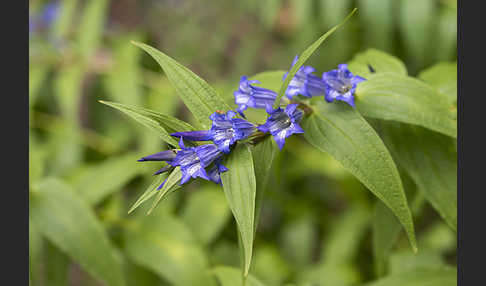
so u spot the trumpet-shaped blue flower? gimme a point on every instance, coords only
(248, 95)
(224, 132)
(194, 160)
(341, 84)
(191, 160)
(304, 82)
(281, 124)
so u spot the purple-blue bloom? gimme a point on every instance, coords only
(194, 160)
(191, 160)
(224, 132)
(281, 124)
(341, 84)
(248, 95)
(304, 82)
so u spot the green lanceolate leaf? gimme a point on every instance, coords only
(66, 220)
(167, 247)
(160, 123)
(149, 192)
(378, 61)
(446, 276)
(431, 161)
(239, 186)
(407, 100)
(443, 77)
(229, 276)
(340, 131)
(206, 212)
(201, 99)
(263, 155)
(170, 185)
(304, 56)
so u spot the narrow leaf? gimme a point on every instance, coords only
(306, 55)
(170, 185)
(66, 220)
(407, 100)
(201, 99)
(162, 124)
(239, 186)
(340, 131)
(150, 192)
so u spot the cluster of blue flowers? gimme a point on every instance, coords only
(204, 161)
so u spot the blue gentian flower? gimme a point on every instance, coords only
(281, 124)
(224, 132)
(191, 160)
(304, 82)
(248, 95)
(194, 160)
(341, 84)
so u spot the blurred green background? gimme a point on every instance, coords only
(317, 220)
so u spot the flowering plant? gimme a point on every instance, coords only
(326, 109)
(308, 172)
